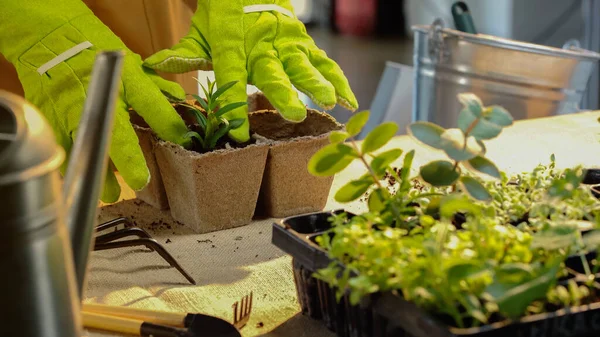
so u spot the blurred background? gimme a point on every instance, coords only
(362, 35)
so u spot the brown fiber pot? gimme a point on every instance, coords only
(215, 190)
(288, 188)
(154, 193)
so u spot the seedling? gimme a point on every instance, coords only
(504, 262)
(212, 124)
(463, 145)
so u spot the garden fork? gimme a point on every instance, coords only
(241, 311)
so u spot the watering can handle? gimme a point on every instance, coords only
(462, 18)
(88, 162)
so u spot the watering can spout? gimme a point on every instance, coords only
(88, 162)
(47, 236)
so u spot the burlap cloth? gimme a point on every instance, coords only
(229, 264)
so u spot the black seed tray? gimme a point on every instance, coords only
(387, 314)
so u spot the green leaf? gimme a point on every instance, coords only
(555, 237)
(223, 129)
(475, 189)
(206, 93)
(483, 165)
(379, 136)
(463, 271)
(202, 103)
(380, 163)
(357, 122)
(205, 46)
(211, 86)
(171, 98)
(453, 143)
(456, 203)
(465, 119)
(405, 173)
(591, 240)
(199, 117)
(427, 133)
(482, 122)
(482, 147)
(228, 108)
(222, 89)
(581, 225)
(478, 315)
(485, 130)
(513, 299)
(472, 103)
(439, 173)
(565, 186)
(236, 123)
(377, 199)
(354, 189)
(482, 130)
(498, 115)
(514, 273)
(338, 136)
(331, 159)
(195, 135)
(426, 221)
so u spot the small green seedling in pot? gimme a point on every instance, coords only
(212, 124)
(463, 145)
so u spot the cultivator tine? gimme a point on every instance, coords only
(109, 241)
(242, 310)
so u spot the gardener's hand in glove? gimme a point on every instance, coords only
(53, 44)
(264, 45)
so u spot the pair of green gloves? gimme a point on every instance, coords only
(53, 44)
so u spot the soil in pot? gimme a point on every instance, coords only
(288, 188)
(214, 190)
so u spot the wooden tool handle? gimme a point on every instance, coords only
(150, 316)
(130, 326)
(114, 324)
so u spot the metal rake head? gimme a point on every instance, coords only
(241, 311)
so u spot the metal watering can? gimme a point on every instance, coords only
(47, 233)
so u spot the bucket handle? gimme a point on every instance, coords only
(437, 50)
(572, 44)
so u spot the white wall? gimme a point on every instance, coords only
(532, 18)
(490, 16)
(522, 20)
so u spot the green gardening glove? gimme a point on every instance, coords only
(53, 44)
(261, 43)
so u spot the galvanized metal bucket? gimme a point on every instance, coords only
(529, 80)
